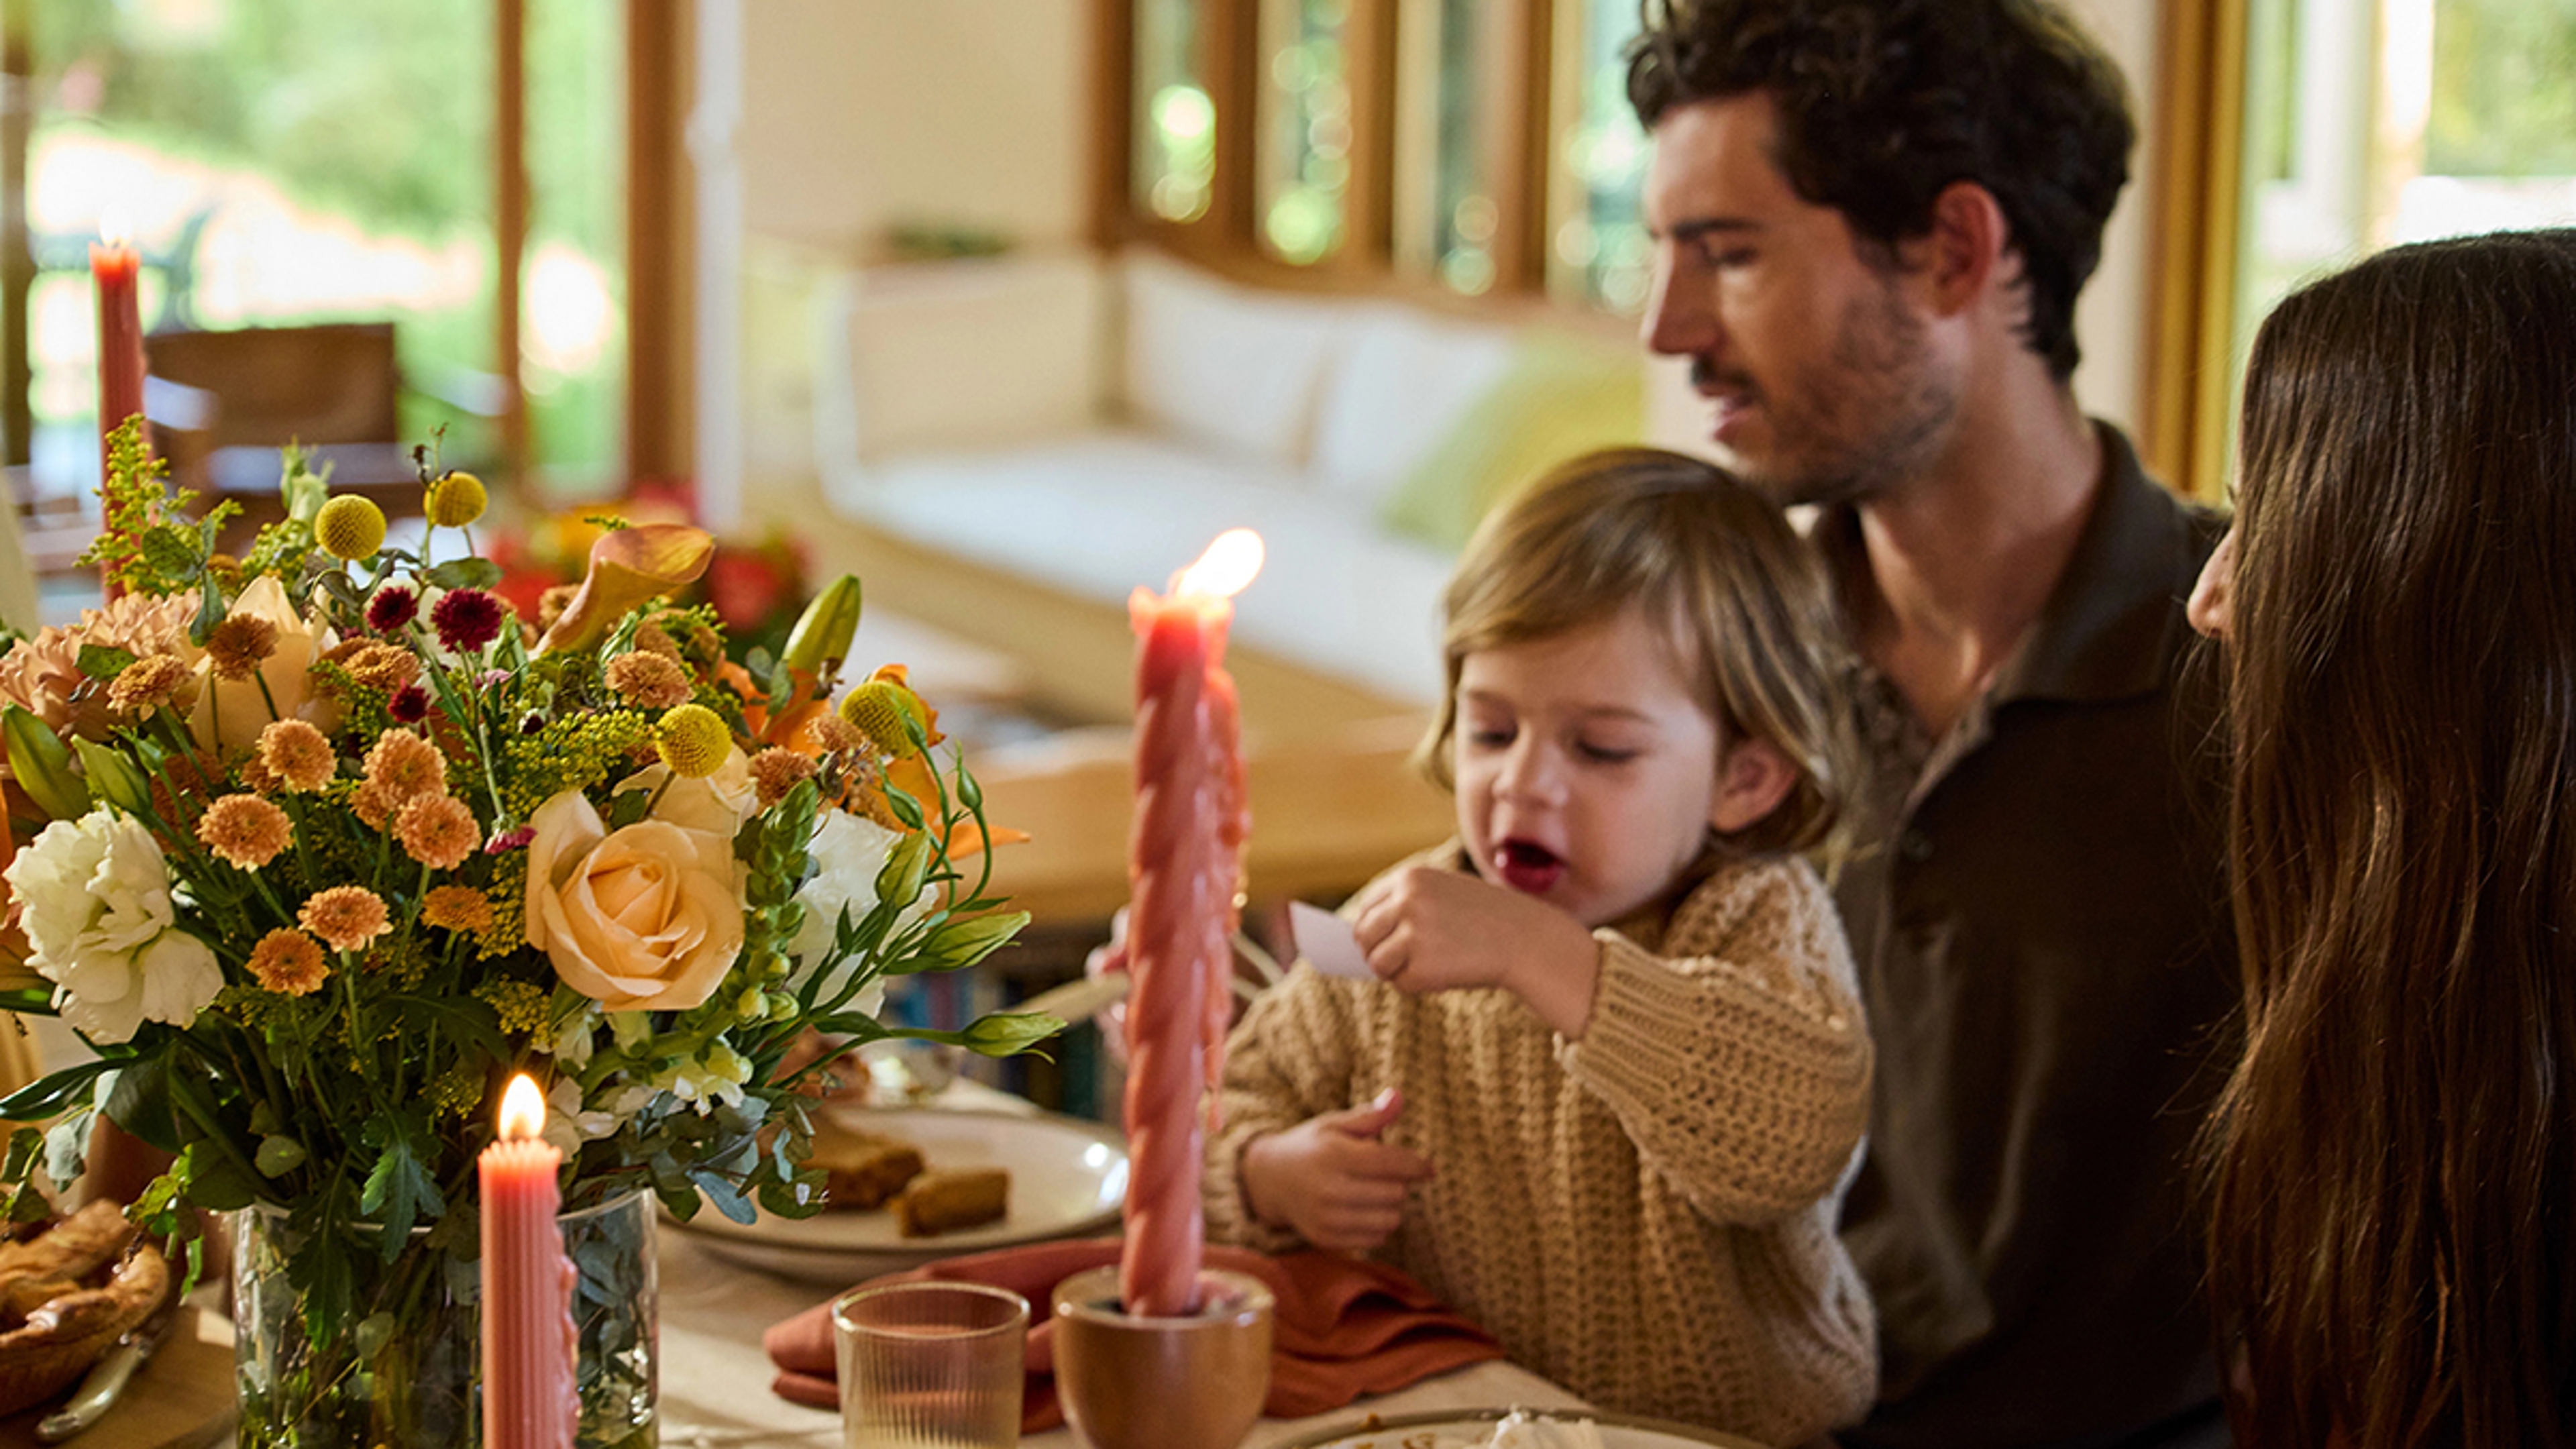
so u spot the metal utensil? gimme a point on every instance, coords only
(107, 1378)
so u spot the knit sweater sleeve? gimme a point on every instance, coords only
(1738, 1062)
(1293, 1055)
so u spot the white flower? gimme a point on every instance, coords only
(567, 1126)
(101, 927)
(715, 1077)
(849, 851)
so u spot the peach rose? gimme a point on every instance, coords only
(647, 918)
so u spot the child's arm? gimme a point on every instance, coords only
(1291, 1073)
(1741, 1069)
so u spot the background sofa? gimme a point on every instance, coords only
(1024, 440)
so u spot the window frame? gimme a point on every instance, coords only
(1226, 238)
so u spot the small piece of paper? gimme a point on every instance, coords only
(1328, 942)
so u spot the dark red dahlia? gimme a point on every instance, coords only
(410, 704)
(391, 608)
(467, 619)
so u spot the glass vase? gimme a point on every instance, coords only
(402, 1371)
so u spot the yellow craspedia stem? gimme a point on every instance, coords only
(350, 527)
(878, 708)
(455, 500)
(692, 740)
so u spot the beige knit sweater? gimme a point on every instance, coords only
(1647, 1216)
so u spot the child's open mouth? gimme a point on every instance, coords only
(1528, 867)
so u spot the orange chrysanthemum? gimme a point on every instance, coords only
(298, 754)
(437, 830)
(147, 684)
(403, 765)
(289, 963)
(648, 680)
(456, 908)
(245, 830)
(774, 772)
(239, 644)
(345, 917)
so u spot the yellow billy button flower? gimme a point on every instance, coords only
(692, 740)
(350, 527)
(455, 500)
(878, 708)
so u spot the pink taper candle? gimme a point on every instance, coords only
(1184, 866)
(529, 1343)
(114, 268)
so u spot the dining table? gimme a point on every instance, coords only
(715, 1376)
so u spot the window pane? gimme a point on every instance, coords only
(1175, 155)
(1305, 154)
(1597, 251)
(2374, 122)
(1445, 215)
(572, 283)
(277, 162)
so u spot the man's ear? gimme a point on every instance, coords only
(1967, 249)
(1752, 780)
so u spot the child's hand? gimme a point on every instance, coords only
(1437, 930)
(1331, 1180)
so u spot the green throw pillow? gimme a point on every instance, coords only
(1560, 396)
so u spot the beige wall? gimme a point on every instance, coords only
(858, 114)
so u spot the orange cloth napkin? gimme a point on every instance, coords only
(1341, 1328)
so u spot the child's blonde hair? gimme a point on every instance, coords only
(1753, 619)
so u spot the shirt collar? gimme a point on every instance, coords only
(2111, 626)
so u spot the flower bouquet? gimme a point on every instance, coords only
(326, 844)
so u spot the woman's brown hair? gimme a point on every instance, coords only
(2394, 1161)
(1752, 617)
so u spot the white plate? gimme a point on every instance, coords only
(1068, 1178)
(1549, 1429)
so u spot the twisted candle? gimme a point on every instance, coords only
(1184, 870)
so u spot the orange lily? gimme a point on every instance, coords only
(628, 567)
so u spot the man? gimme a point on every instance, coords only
(1872, 218)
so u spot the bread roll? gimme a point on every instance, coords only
(939, 1202)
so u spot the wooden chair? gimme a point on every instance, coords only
(222, 405)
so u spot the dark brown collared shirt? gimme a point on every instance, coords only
(2039, 915)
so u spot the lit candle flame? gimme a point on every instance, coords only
(112, 230)
(523, 1110)
(1222, 571)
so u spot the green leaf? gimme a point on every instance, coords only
(213, 1181)
(727, 1196)
(138, 1100)
(48, 1095)
(99, 661)
(399, 1190)
(42, 764)
(464, 573)
(67, 1145)
(113, 776)
(24, 1144)
(278, 1156)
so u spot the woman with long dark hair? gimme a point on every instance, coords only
(2393, 1166)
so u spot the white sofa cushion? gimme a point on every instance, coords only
(1100, 514)
(1230, 367)
(1402, 380)
(995, 349)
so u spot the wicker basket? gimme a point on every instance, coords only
(36, 1363)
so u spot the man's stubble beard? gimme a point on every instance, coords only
(1870, 418)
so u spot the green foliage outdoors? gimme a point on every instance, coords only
(2504, 89)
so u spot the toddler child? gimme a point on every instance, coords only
(1603, 1094)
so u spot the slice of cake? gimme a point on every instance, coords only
(939, 1202)
(862, 1169)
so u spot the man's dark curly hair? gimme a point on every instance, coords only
(1883, 103)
